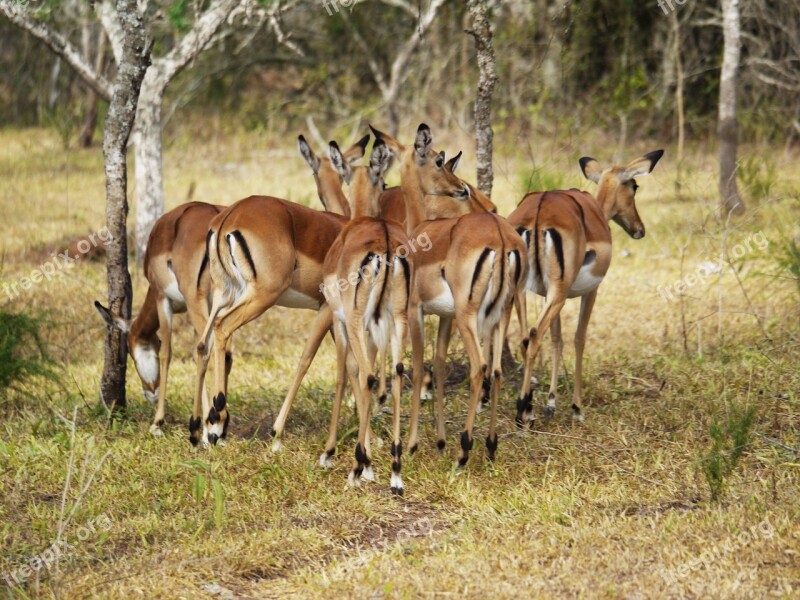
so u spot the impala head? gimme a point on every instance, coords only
(328, 179)
(477, 201)
(617, 189)
(143, 351)
(423, 165)
(366, 182)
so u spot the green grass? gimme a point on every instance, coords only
(612, 508)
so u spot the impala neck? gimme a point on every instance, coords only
(412, 194)
(606, 201)
(145, 326)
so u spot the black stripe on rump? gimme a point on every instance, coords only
(248, 257)
(478, 266)
(559, 249)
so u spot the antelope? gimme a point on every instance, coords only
(471, 275)
(391, 207)
(366, 282)
(569, 252)
(176, 267)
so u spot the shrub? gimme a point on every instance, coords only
(728, 442)
(22, 351)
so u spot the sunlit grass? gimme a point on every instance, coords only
(615, 507)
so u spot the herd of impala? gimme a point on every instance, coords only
(373, 267)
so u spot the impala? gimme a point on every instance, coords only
(471, 275)
(176, 267)
(262, 251)
(391, 207)
(366, 285)
(569, 253)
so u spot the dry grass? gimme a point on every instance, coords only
(614, 508)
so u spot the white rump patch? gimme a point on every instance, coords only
(173, 292)
(585, 282)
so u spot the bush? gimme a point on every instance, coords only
(728, 444)
(22, 352)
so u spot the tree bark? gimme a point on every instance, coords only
(121, 114)
(726, 129)
(482, 32)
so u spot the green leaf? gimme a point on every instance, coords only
(199, 487)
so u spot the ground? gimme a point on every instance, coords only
(616, 507)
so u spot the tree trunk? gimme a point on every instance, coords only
(726, 129)
(484, 135)
(119, 121)
(149, 176)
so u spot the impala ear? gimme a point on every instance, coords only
(357, 150)
(591, 168)
(308, 154)
(111, 319)
(394, 146)
(641, 166)
(379, 162)
(452, 164)
(423, 141)
(339, 163)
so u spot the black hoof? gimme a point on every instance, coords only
(413, 449)
(491, 446)
(440, 445)
(397, 491)
(382, 400)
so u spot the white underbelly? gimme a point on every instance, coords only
(585, 282)
(443, 304)
(294, 299)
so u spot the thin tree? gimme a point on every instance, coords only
(730, 202)
(391, 85)
(482, 32)
(133, 60)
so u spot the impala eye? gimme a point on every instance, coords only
(635, 186)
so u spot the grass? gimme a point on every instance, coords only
(618, 507)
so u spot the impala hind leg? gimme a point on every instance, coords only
(198, 315)
(319, 329)
(249, 307)
(416, 333)
(439, 366)
(553, 305)
(164, 359)
(478, 372)
(357, 344)
(498, 338)
(325, 460)
(558, 348)
(587, 304)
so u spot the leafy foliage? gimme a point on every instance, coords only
(22, 352)
(728, 442)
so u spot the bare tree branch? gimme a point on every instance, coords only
(58, 44)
